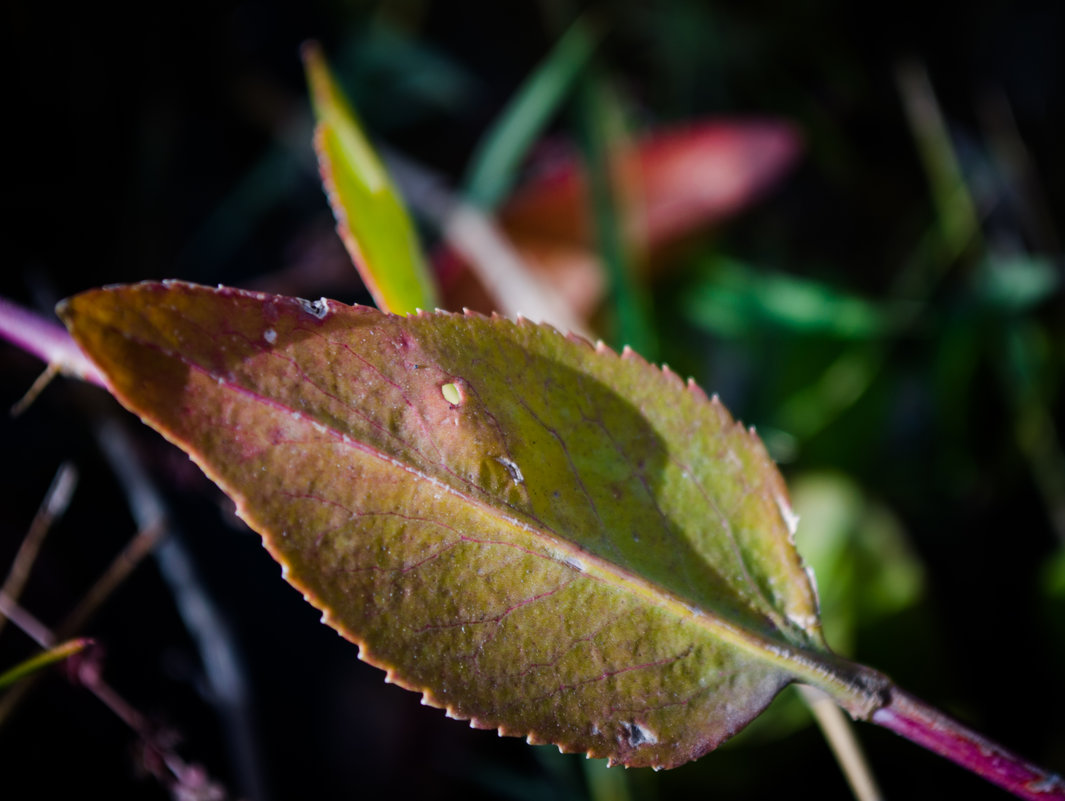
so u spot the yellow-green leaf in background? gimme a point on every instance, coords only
(371, 218)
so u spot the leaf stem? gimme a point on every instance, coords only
(46, 340)
(913, 719)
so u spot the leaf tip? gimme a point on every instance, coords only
(310, 49)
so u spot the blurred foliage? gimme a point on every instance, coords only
(890, 318)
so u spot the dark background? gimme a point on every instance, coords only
(172, 140)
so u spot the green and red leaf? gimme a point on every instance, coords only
(537, 534)
(674, 182)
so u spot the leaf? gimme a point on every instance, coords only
(734, 299)
(539, 535)
(675, 182)
(371, 218)
(685, 178)
(859, 550)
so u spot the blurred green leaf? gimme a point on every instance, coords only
(1015, 283)
(733, 299)
(858, 550)
(371, 218)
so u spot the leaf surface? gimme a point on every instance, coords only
(539, 535)
(371, 218)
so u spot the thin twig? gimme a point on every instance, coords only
(839, 733)
(55, 503)
(40, 383)
(26, 622)
(142, 544)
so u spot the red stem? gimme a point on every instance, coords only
(916, 721)
(47, 340)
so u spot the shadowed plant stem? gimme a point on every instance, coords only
(916, 721)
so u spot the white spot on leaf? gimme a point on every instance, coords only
(452, 393)
(634, 735)
(805, 622)
(791, 520)
(573, 562)
(316, 308)
(512, 468)
(270, 335)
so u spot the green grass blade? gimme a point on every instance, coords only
(596, 115)
(494, 165)
(43, 660)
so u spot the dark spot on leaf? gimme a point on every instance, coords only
(316, 308)
(634, 735)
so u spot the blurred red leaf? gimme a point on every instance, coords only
(674, 182)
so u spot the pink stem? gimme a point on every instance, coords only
(916, 721)
(47, 340)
